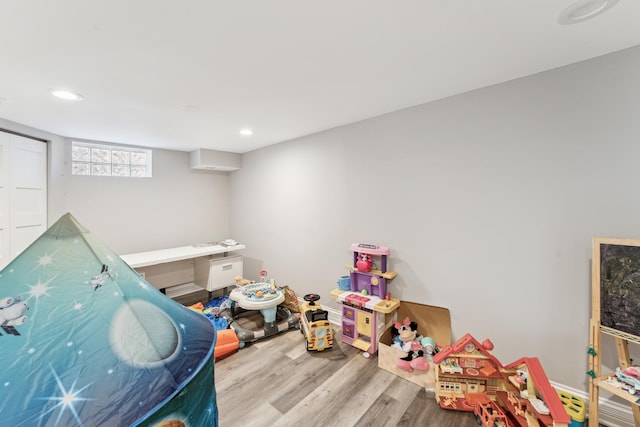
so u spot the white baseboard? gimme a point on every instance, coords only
(335, 316)
(612, 414)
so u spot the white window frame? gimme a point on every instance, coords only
(91, 165)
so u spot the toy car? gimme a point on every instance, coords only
(315, 325)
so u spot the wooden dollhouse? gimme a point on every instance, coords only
(467, 370)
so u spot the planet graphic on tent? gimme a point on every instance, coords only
(137, 323)
(85, 341)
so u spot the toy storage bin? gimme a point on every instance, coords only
(575, 408)
(434, 322)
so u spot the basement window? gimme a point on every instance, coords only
(110, 160)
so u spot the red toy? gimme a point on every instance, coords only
(468, 375)
(488, 413)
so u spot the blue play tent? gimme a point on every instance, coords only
(85, 341)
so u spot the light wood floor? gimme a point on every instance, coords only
(276, 382)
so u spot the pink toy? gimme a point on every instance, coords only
(414, 360)
(369, 270)
(406, 338)
(634, 371)
(364, 263)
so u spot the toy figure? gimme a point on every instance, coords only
(240, 281)
(404, 334)
(414, 360)
(429, 346)
(98, 281)
(365, 262)
(12, 312)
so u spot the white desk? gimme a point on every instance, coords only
(161, 256)
(187, 269)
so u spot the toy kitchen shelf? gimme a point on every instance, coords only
(367, 308)
(363, 276)
(185, 270)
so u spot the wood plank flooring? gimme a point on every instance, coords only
(276, 382)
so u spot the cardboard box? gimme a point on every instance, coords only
(434, 322)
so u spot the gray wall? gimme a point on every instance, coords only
(488, 200)
(176, 207)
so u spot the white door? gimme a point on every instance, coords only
(5, 198)
(23, 194)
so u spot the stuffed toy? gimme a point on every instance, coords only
(414, 360)
(404, 334)
(290, 299)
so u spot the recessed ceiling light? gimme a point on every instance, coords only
(190, 108)
(246, 132)
(582, 10)
(66, 95)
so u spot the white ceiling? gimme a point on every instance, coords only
(285, 68)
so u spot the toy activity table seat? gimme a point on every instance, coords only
(258, 296)
(264, 298)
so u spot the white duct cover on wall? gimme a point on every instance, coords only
(215, 160)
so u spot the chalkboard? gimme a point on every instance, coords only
(618, 284)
